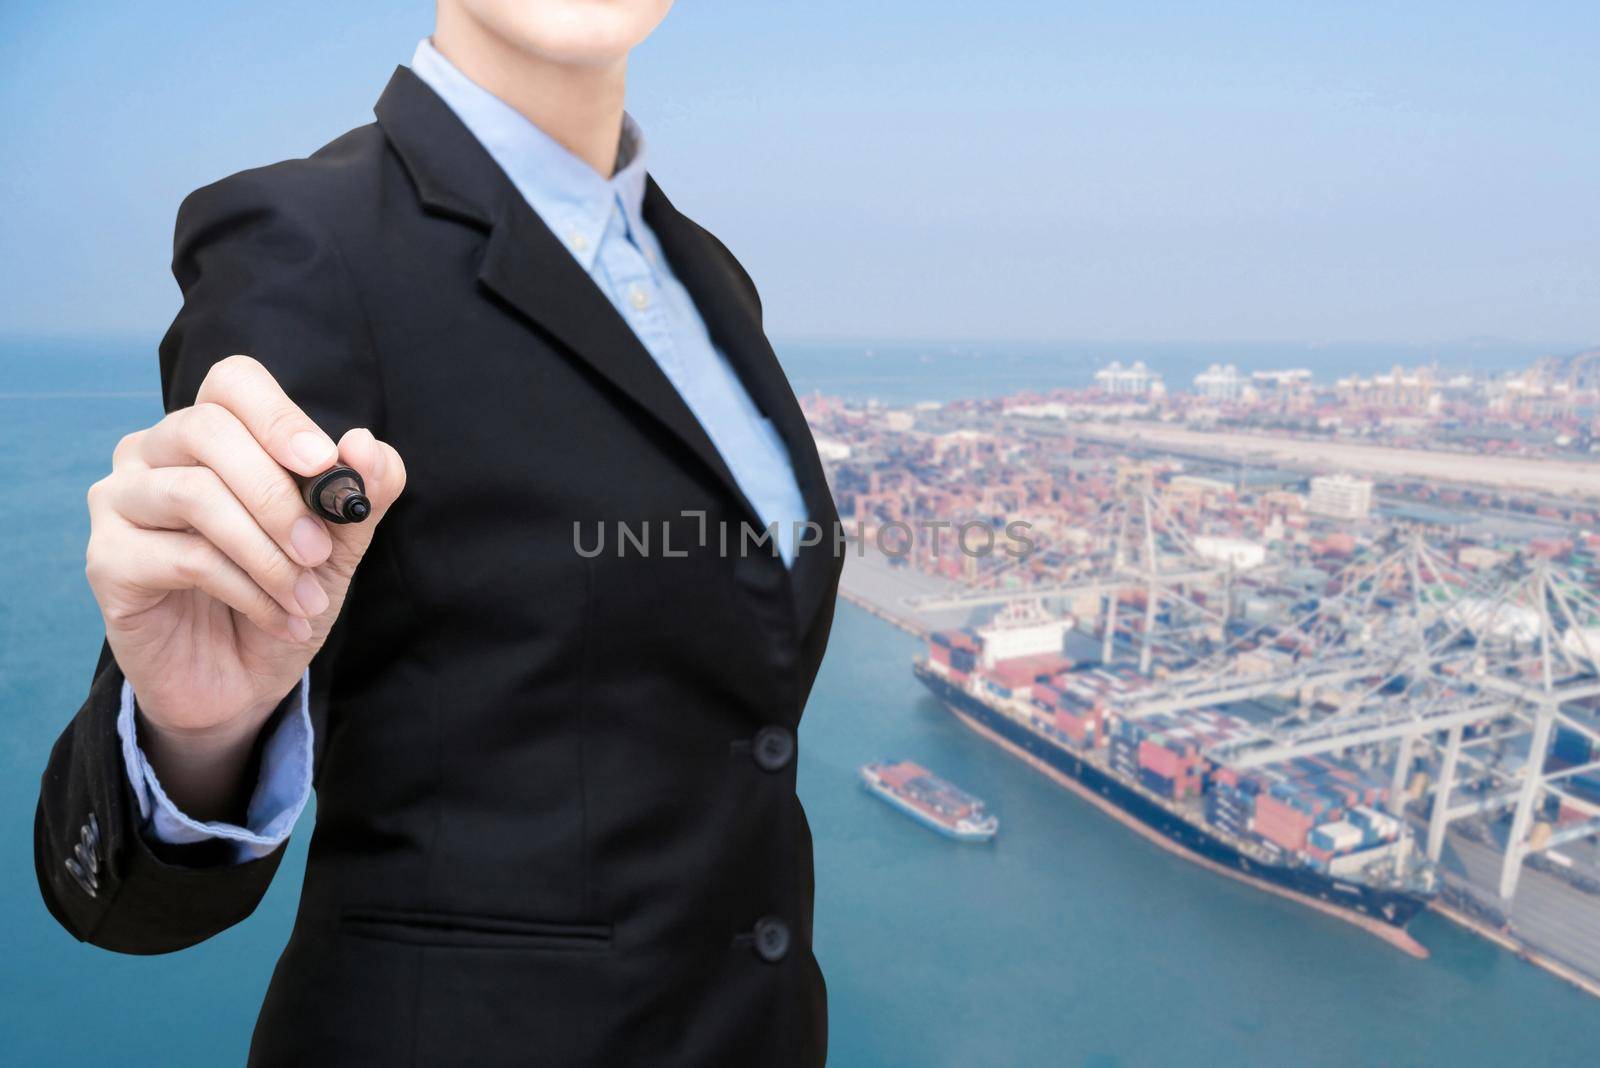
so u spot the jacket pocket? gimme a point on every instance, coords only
(463, 931)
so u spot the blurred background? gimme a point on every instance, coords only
(954, 215)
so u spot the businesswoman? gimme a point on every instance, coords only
(547, 700)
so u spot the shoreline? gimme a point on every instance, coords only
(1567, 974)
(916, 630)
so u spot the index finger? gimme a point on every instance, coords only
(246, 388)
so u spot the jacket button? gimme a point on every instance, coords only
(773, 748)
(771, 939)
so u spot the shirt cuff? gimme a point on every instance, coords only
(281, 791)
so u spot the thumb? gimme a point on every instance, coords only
(384, 475)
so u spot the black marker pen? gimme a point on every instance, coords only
(337, 495)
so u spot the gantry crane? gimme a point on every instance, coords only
(1405, 655)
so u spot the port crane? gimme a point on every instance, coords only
(1138, 545)
(1407, 657)
(1513, 664)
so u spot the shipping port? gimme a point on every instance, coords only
(1370, 692)
(930, 800)
(1281, 738)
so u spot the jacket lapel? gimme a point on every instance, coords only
(734, 321)
(528, 268)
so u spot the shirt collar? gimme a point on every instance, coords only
(573, 199)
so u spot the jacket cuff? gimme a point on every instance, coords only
(282, 787)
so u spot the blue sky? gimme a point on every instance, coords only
(1421, 173)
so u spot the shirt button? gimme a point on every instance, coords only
(773, 748)
(771, 940)
(578, 242)
(638, 297)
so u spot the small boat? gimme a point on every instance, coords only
(929, 800)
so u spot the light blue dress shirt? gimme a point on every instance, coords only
(601, 223)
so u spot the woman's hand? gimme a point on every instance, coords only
(216, 582)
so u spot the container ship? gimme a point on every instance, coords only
(1312, 829)
(929, 800)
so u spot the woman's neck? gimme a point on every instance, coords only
(579, 106)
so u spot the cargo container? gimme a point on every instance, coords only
(1282, 824)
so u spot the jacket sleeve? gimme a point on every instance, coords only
(260, 275)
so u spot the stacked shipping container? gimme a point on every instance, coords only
(1318, 807)
(1079, 702)
(956, 650)
(1167, 749)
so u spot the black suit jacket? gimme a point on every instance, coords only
(556, 815)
